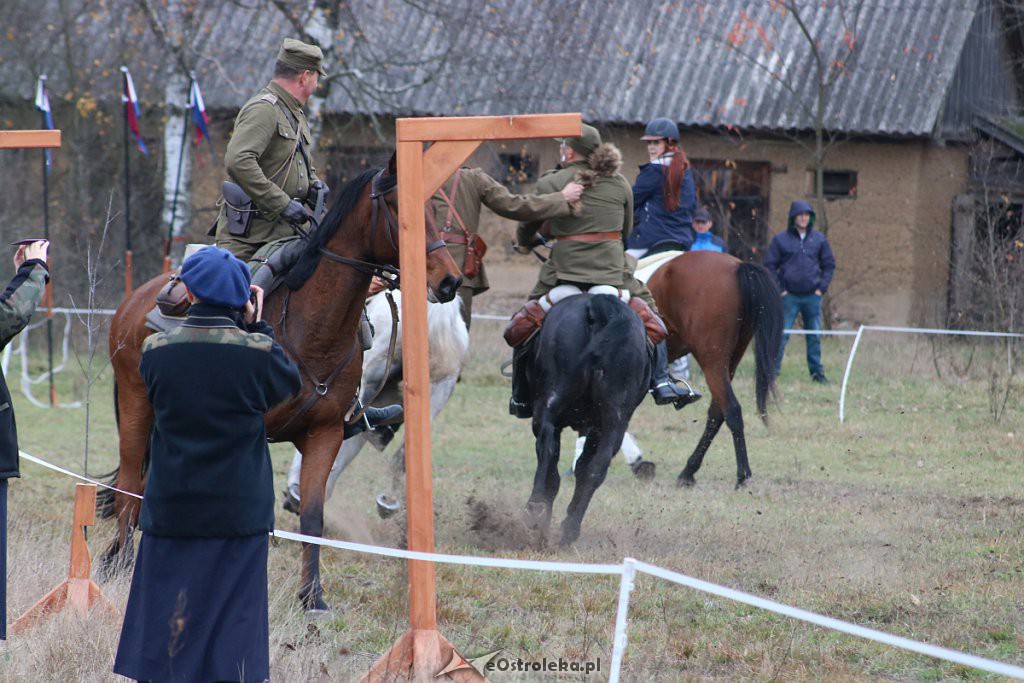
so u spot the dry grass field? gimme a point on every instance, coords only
(908, 518)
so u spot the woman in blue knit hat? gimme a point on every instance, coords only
(197, 610)
(664, 194)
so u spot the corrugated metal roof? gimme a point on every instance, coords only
(726, 63)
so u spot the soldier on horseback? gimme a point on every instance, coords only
(274, 185)
(589, 254)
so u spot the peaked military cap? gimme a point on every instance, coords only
(586, 143)
(300, 55)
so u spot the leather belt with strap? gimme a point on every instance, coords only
(592, 237)
(454, 238)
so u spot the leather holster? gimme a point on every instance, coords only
(172, 299)
(524, 324)
(653, 324)
(238, 209)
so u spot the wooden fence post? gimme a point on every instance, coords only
(79, 589)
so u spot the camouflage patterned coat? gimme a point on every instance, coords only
(257, 158)
(211, 383)
(17, 303)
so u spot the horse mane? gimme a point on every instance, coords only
(309, 259)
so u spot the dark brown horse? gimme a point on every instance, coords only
(713, 305)
(315, 317)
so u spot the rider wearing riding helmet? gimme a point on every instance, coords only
(588, 254)
(664, 194)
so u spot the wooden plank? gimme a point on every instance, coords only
(29, 139)
(84, 515)
(442, 160)
(436, 129)
(416, 379)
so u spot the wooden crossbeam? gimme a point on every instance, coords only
(29, 139)
(442, 129)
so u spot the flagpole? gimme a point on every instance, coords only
(177, 182)
(127, 194)
(46, 234)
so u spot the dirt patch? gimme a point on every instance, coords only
(500, 526)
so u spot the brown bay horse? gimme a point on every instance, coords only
(713, 305)
(315, 315)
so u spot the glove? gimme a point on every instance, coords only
(295, 212)
(318, 187)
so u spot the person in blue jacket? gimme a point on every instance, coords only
(664, 194)
(703, 239)
(802, 261)
(197, 607)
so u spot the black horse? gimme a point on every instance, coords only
(588, 369)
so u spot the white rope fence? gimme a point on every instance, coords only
(905, 330)
(627, 572)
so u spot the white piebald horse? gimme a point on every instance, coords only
(448, 342)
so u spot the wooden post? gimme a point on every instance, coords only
(29, 139)
(422, 651)
(79, 589)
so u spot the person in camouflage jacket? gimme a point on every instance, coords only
(17, 304)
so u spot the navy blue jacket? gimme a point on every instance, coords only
(652, 222)
(210, 384)
(801, 266)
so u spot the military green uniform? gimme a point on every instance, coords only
(260, 159)
(607, 206)
(476, 188)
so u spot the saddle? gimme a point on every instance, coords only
(649, 265)
(267, 267)
(527, 321)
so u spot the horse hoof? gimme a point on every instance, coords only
(387, 505)
(686, 480)
(643, 470)
(570, 534)
(290, 502)
(535, 515)
(741, 483)
(314, 606)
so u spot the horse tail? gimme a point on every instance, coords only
(606, 313)
(762, 312)
(105, 496)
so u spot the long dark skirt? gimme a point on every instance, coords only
(197, 611)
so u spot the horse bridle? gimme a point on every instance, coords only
(379, 206)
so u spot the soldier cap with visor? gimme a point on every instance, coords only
(586, 143)
(301, 56)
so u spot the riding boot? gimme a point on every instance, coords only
(520, 405)
(375, 418)
(664, 390)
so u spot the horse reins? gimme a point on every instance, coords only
(388, 273)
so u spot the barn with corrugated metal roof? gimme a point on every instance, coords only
(892, 95)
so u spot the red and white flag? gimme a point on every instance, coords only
(131, 109)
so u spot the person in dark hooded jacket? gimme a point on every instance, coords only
(802, 261)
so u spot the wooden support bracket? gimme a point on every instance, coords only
(79, 589)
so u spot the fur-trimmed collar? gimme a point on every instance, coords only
(605, 161)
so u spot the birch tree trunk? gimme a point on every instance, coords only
(177, 160)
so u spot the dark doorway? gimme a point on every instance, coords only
(736, 194)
